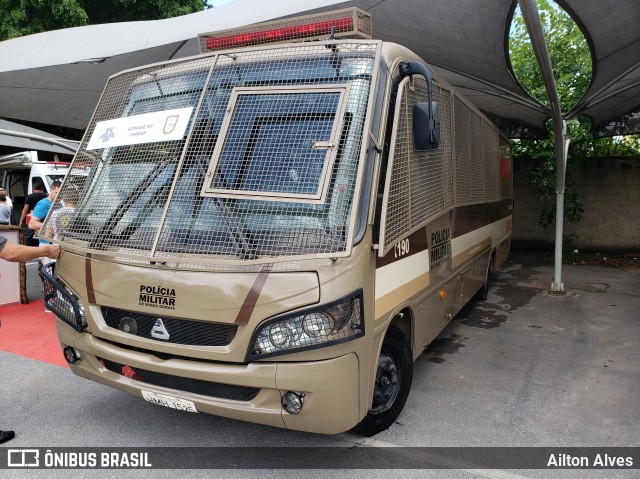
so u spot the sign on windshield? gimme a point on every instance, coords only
(167, 125)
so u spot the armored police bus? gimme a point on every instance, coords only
(274, 230)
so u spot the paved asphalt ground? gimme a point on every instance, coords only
(522, 369)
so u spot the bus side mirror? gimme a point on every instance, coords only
(426, 126)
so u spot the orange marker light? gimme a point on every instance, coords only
(443, 294)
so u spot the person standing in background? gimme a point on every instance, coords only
(3, 191)
(42, 209)
(5, 210)
(40, 212)
(62, 217)
(30, 203)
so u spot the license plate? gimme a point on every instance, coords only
(169, 401)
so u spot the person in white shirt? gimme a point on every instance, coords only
(3, 191)
(5, 210)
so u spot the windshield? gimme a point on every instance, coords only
(266, 166)
(52, 178)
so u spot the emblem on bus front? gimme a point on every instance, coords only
(159, 331)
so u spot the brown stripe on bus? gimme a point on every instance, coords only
(249, 304)
(91, 294)
(473, 217)
(417, 241)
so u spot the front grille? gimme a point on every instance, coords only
(166, 356)
(196, 386)
(179, 331)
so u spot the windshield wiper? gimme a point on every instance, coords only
(233, 224)
(106, 232)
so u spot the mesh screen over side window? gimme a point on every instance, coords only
(477, 157)
(419, 185)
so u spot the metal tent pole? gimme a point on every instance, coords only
(534, 27)
(43, 139)
(557, 286)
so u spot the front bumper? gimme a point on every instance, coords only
(331, 387)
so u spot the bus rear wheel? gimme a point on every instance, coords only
(393, 381)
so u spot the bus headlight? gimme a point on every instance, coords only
(317, 324)
(280, 336)
(329, 324)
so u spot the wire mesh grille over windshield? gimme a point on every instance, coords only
(279, 131)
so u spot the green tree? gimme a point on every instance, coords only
(100, 11)
(568, 51)
(24, 17)
(571, 61)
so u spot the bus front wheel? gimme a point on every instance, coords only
(393, 381)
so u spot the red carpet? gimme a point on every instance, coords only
(28, 331)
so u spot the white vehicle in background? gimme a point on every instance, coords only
(20, 171)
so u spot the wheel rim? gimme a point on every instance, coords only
(387, 384)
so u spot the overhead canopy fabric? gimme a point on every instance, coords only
(468, 42)
(57, 77)
(612, 28)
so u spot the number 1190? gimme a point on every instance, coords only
(401, 248)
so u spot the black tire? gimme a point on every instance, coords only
(393, 382)
(483, 292)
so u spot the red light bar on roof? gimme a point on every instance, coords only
(346, 23)
(280, 34)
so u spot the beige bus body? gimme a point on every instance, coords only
(408, 255)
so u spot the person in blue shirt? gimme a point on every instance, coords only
(40, 212)
(42, 209)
